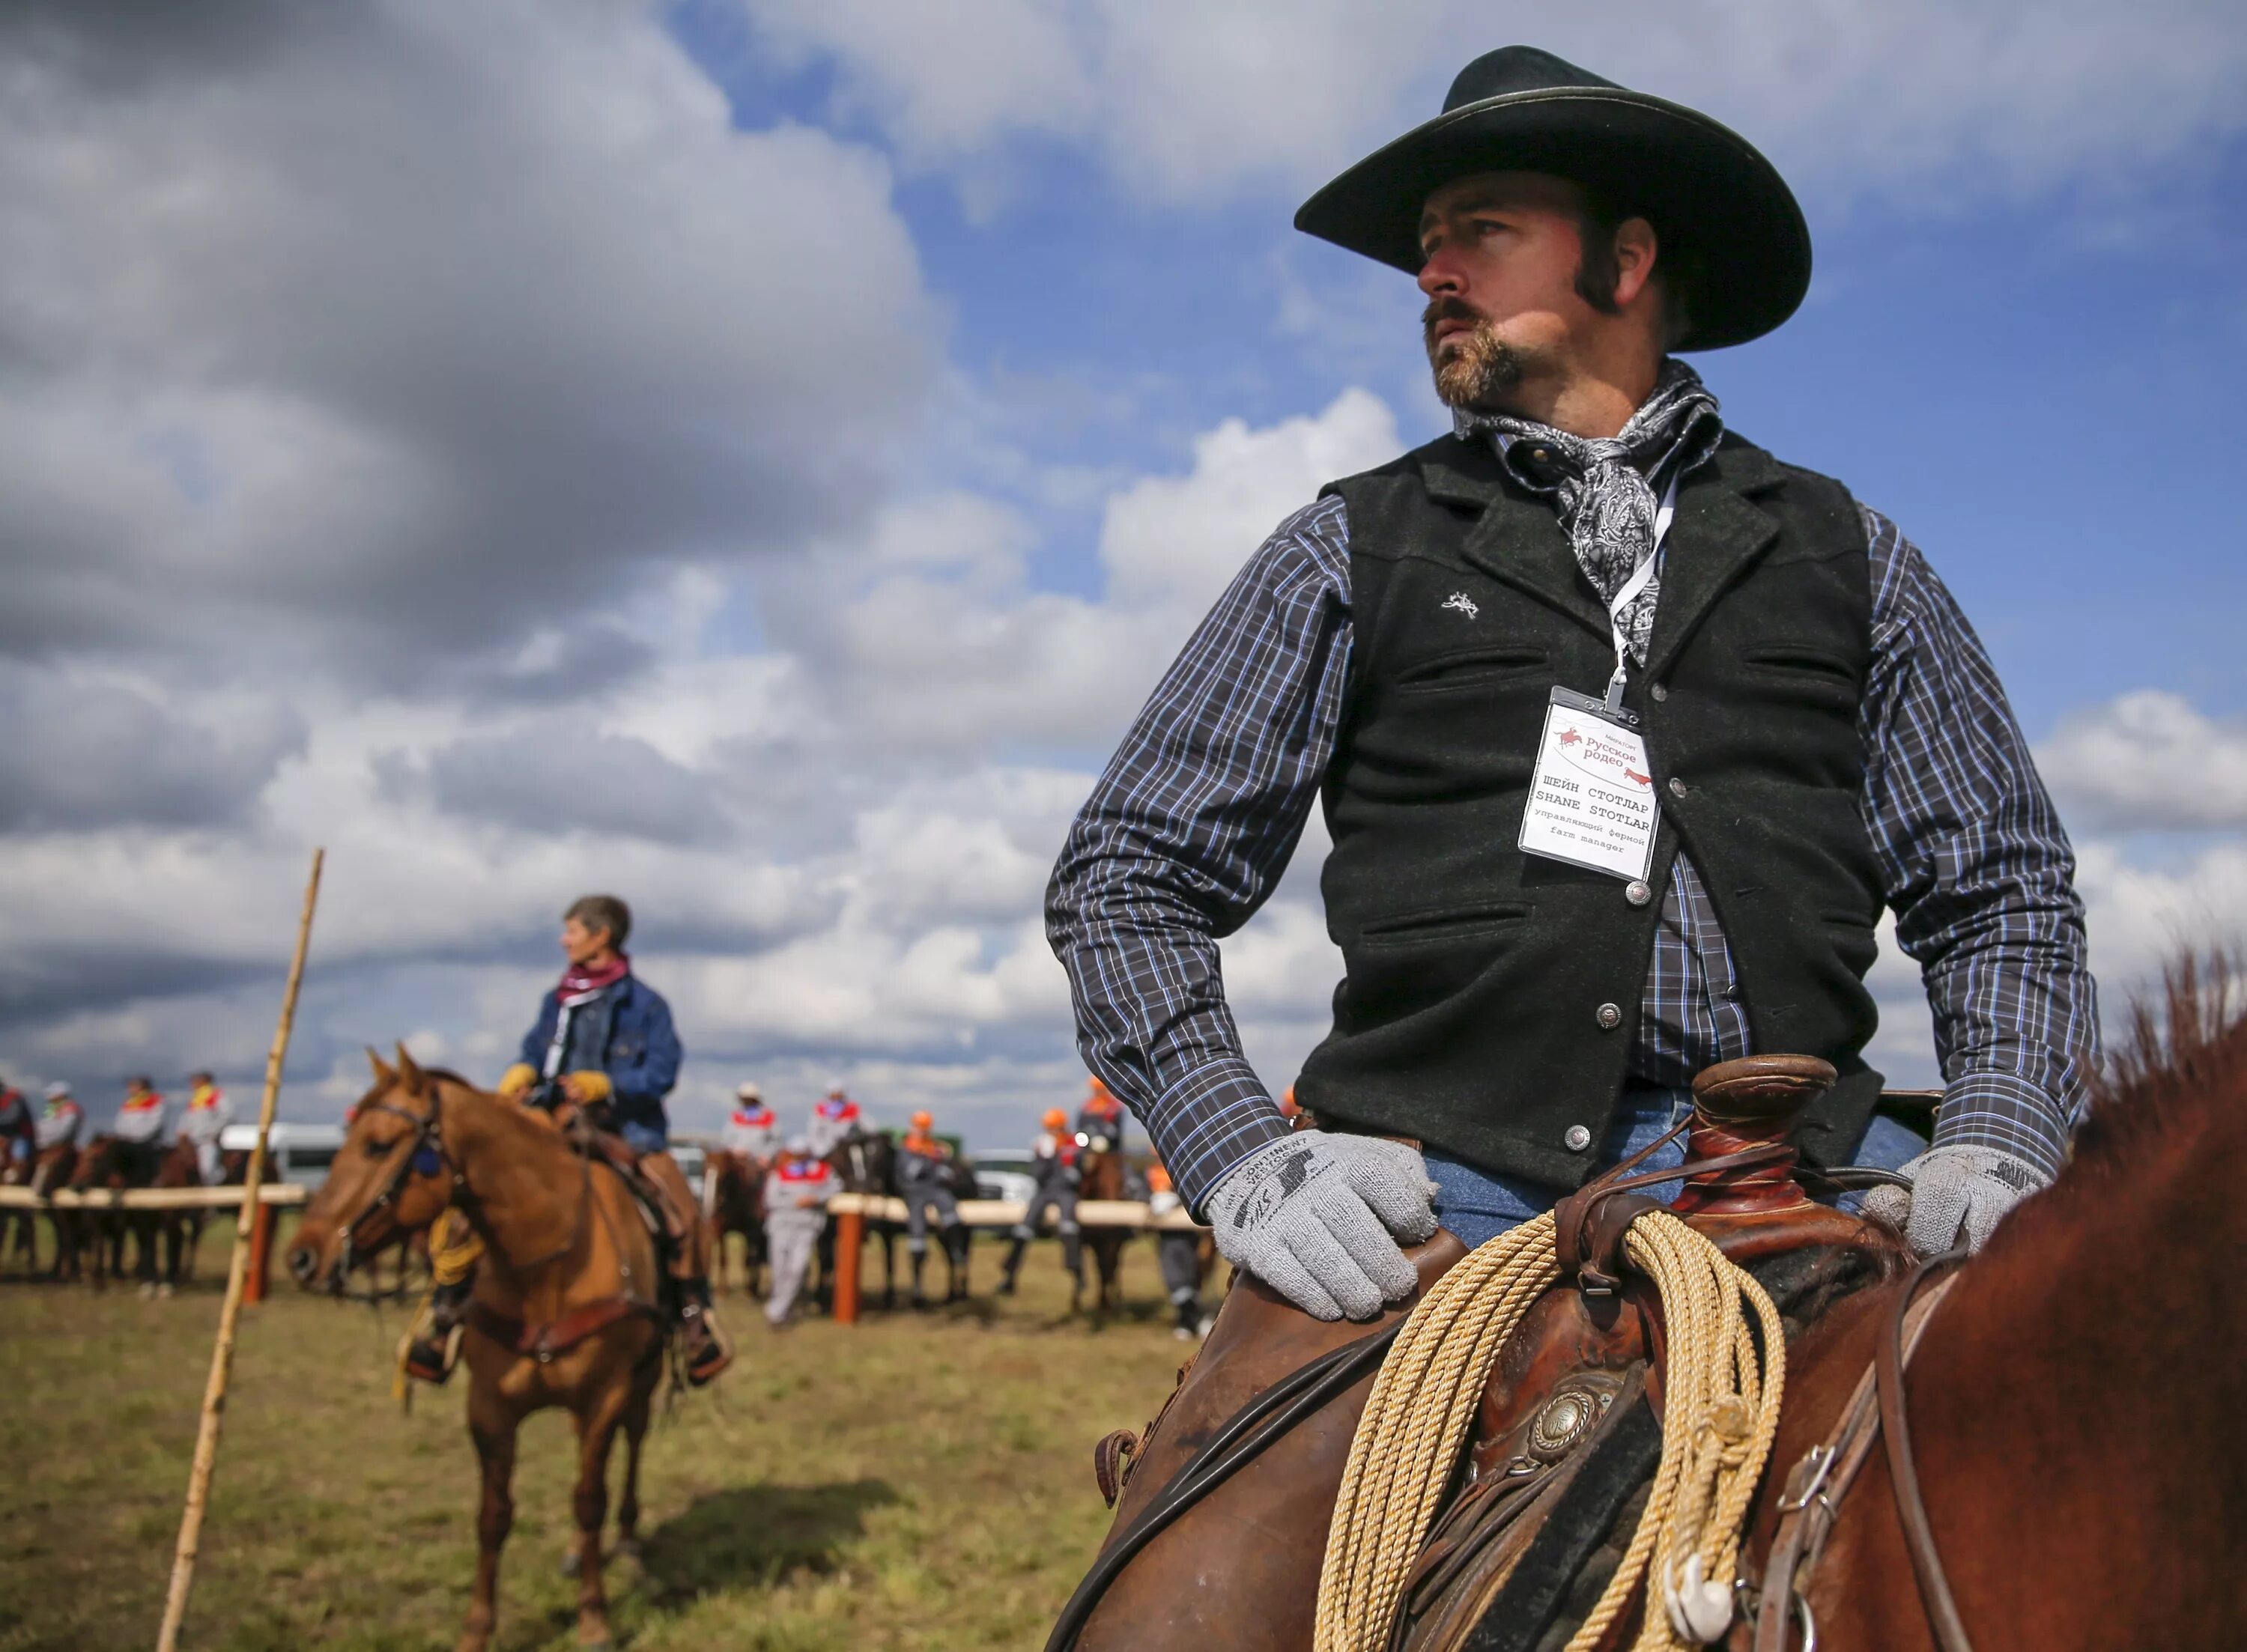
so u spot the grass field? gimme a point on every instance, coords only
(916, 1481)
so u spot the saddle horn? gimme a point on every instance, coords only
(1744, 1112)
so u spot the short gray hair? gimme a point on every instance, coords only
(603, 911)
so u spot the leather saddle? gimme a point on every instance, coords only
(1566, 1436)
(593, 1140)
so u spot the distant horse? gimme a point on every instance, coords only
(110, 1165)
(50, 1169)
(20, 1172)
(733, 1202)
(866, 1162)
(566, 1311)
(182, 1230)
(1101, 1178)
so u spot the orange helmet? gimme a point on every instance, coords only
(924, 1120)
(1288, 1105)
(1099, 1085)
(1055, 1119)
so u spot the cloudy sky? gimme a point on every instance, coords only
(754, 457)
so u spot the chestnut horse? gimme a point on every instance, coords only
(565, 1312)
(1101, 1178)
(2078, 1405)
(2076, 1409)
(733, 1202)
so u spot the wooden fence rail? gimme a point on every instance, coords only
(149, 1199)
(1005, 1212)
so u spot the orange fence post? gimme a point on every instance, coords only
(849, 1234)
(261, 1254)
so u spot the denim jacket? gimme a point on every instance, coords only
(626, 1033)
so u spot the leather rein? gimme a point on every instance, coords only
(427, 1156)
(1812, 1503)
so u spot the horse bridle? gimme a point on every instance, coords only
(425, 1157)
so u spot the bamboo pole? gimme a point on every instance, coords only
(199, 1477)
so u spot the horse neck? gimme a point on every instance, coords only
(2082, 1350)
(524, 1183)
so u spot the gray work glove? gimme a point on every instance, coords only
(1311, 1216)
(1957, 1193)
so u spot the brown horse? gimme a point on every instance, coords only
(182, 1230)
(2078, 1404)
(109, 1165)
(51, 1170)
(1101, 1177)
(2076, 1409)
(566, 1311)
(733, 1202)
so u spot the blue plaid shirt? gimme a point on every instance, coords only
(1193, 821)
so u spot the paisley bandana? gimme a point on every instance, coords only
(1603, 485)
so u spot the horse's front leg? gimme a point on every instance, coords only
(492, 1426)
(589, 1504)
(636, 1416)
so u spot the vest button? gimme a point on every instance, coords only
(1578, 1138)
(1676, 787)
(1609, 1016)
(1636, 892)
(1542, 455)
(1659, 692)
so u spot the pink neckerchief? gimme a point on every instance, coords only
(579, 983)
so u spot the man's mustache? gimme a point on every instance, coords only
(1446, 309)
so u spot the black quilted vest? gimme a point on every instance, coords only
(1491, 998)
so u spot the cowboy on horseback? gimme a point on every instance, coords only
(1054, 1169)
(139, 1130)
(208, 1114)
(17, 1131)
(834, 1120)
(60, 1120)
(1100, 1120)
(750, 1127)
(1625, 732)
(602, 1055)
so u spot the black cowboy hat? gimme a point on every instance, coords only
(1722, 211)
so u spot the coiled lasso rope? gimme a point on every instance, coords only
(1720, 1411)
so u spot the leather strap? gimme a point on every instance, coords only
(1896, 1430)
(1811, 1500)
(556, 1337)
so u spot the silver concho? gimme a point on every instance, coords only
(1561, 1424)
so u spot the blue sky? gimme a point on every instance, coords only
(754, 456)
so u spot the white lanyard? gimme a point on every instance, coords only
(1634, 586)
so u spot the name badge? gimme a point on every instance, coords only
(1591, 802)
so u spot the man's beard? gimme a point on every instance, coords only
(1475, 370)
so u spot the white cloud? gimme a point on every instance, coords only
(2149, 761)
(395, 336)
(1938, 100)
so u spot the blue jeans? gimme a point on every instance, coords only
(644, 1138)
(1478, 1206)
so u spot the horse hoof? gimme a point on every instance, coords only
(148, 1292)
(627, 1549)
(572, 1563)
(163, 1292)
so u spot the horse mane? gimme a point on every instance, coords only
(2185, 1045)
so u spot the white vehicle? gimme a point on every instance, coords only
(300, 1153)
(1005, 1173)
